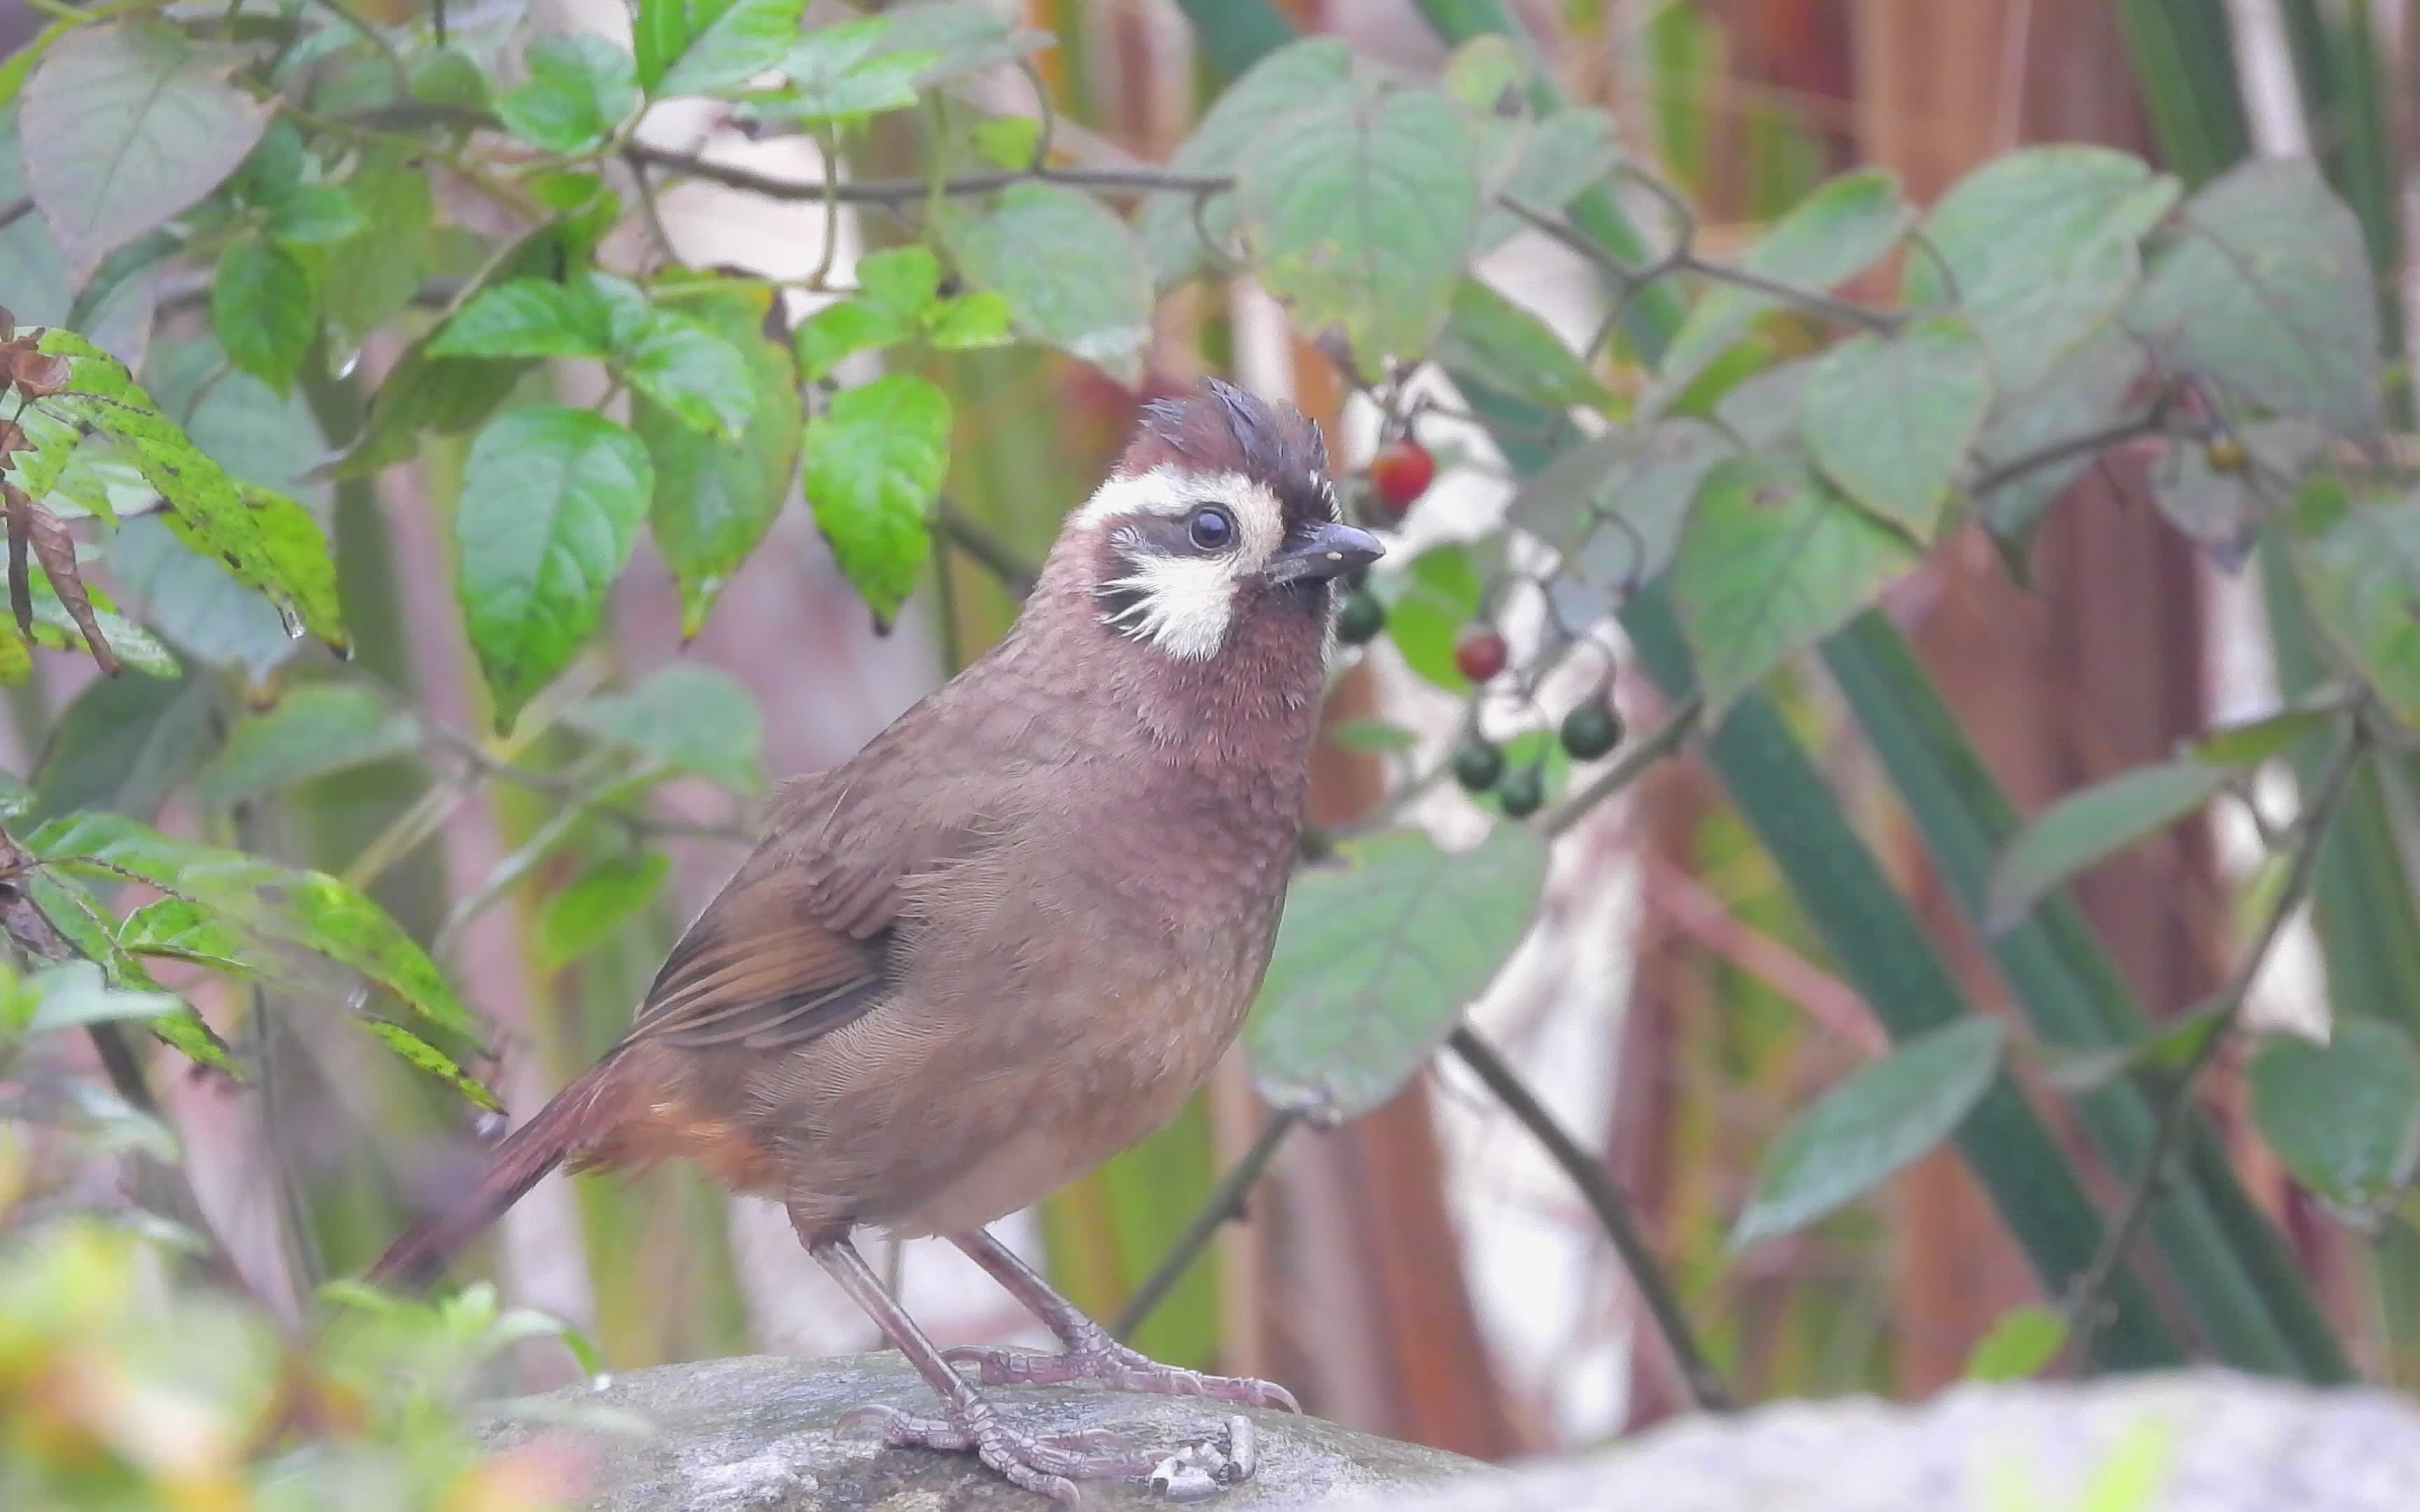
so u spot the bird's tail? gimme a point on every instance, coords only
(578, 1116)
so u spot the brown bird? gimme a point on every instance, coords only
(1012, 934)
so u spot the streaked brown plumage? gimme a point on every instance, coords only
(1008, 937)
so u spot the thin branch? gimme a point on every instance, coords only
(1698, 1373)
(908, 190)
(2176, 1116)
(1225, 1204)
(1643, 753)
(986, 547)
(15, 210)
(2150, 423)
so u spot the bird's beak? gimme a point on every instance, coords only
(1325, 550)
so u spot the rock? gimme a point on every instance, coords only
(763, 1434)
(2206, 1441)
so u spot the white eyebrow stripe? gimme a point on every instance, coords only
(1170, 492)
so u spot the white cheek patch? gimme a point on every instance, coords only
(1184, 604)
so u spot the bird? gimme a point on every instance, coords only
(1014, 932)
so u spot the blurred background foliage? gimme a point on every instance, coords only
(1898, 483)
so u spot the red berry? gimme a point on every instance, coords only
(1480, 653)
(1399, 473)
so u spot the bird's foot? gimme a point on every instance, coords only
(1052, 1463)
(1105, 1360)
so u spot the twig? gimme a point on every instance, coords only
(908, 190)
(15, 210)
(2150, 423)
(1226, 1203)
(988, 549)
(1643, 753)
(2176, 1116)
(1612, 1209)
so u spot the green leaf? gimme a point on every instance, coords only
(1070, 270)
(1830, 235)
(527, 318)
(1615, 505)
(580, 88)
(835, 332)
(2266, 294)
(125, 744)
(1889, 420)
(713, 501)
(367, 279)
(2039, 249)
(586, 912)
(449, 76)
(1487, 73)
(419, 1052)
(696, 47)
(1298, 74)
(550, 504)
(246, 529)
(314, 729)
(844, 73)
(2021, 1344)
(967, 322)
(1769, 561)
(126, 125)
(1552, 162)
(1009, 141)
(1436, 597)
(903, 280)
(315, 215)
(56, 628)
(198, 603)
(2254, 741)
(875, 462)
(959, 36)
(1378, 953)
(2344, 1118)
(2082, 396)
(1883, 1118)
(691, 719)
(697, 376)
(2357, 552)
(262, 309)
(1377, 737)
(179, 929)
(2093, 824)
(74, 995)
(1500, 344)
(1359, 213)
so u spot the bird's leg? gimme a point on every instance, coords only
(1050, 1465)
(1091, 1354)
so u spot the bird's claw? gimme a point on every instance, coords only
(1113, 1365)
(1052, 1463)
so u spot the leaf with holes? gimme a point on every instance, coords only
(551, 501)
(2039, 249)
(1171, 225)
(698, 47)
(580, 89)
(2344, 1117)
(714, 501)
(1771, 559)
(1070, 270)
(1882, 1118)
(1359, 214)
(1379, 952)
(587, 912)
(1889, 419)
(2092, 824)
(875, 462)
(689, 718)
(313, 731)
(2264, 292)
(1830, 235)
(2357, 551)
(126, 125)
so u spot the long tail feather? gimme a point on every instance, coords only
(577, 1116)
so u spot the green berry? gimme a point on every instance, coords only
(1360, 620)
(1522, 792)
(1478, 765)
(1591, 730)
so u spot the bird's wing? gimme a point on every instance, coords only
(762, 968)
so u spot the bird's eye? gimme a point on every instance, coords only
(1212, 528)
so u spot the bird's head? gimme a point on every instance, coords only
(1218, 519)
